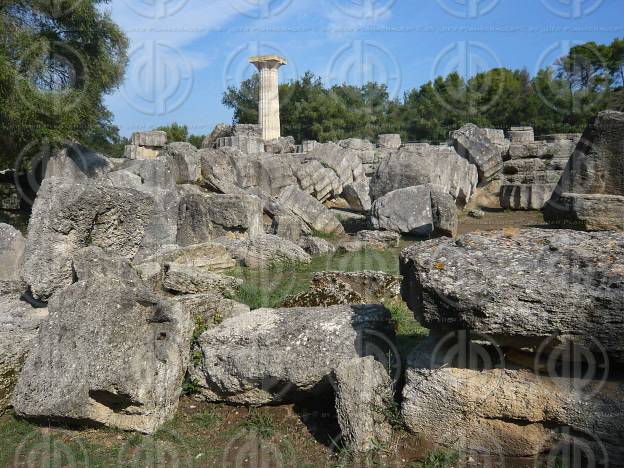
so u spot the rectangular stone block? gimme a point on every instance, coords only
(140, 152)
(154, 138)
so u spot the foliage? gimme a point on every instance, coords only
(558, 99)
(176, 132)
(439, 459)
(57, 61)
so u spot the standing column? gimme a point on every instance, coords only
(268, 107)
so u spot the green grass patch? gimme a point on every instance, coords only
(261, 424)
(439, 459)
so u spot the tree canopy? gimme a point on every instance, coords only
(559, 99)
(57, 61)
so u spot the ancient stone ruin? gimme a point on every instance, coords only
(124, 286)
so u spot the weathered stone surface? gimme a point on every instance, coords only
(472, 143)
(280, 145)
(109, 354)
(156, 138)
(136, 152)
(344, 162)
(525, 196)
(405, 211)
(19, 325)
(224, 170)
(263, 250)
(357, 194)
(221, 130)
(522, 287)
(337, 287)
(203, 216)
(271, 355)
(443, 212)
(592, 212)
(287, 227)
(95, 262)
(208, 310)
(210, 256)
(310, 210)
(12, 246)
(595, 168)
(425, 164)
(512, 413)
(363, 393)
(392, 141)
(316, 246)
(185, 159)
(76, 162)
(380, 238)
(521, 134)
(68, 216)
(187, 279)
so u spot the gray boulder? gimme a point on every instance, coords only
(390, 140)
(357, 194)
(203, 216)
(12, 246)
(363, 394)
(473, 143)
(512, 412)
(406, 211)
(19, 325)
(221, 130)
(95, 262)
(524, 288)
(76, 162)
(273, 355)
(264, 250)
(67, 216)
(109, 354)
(208, 310)
(210, 256)
(380, 238)
(185, 159)
(280, 145)
(423, 211)
(311, 211)
(191, 280)
(153, 138)
(425, 164)
(287, 227)
(316, 246)
(335, 287)
(592, 184)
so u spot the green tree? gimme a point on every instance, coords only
(57, 60)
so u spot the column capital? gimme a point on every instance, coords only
(267, 61)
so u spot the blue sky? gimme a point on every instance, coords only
(184, 53)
